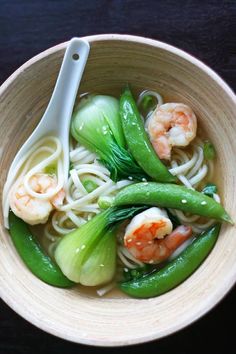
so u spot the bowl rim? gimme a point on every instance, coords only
(229, 281)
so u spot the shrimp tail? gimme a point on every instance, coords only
(177, 237)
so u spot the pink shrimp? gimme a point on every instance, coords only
(30, 208)
(171, 124)
(153, 241)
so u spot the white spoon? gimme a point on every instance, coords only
(56, 118)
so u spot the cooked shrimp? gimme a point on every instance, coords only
(171, 124)
(32, 209)
(149, 236)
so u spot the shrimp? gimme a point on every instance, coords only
(30, 208)
(171, 124)
(145, 236)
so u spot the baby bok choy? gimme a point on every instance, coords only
(96, 125)
(88, 254)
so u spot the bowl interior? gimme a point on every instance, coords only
(113, 62)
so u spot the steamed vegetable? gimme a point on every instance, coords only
(209, 151)
(176, 271)
(210, 189)
(138, 141)
(100, 266)
(172, 196)
(80, 253)
(148, 103)
(105, 202)
(33, 255)
(89, 185)
(96, 125)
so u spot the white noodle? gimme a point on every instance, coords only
(106, 289)
(150, 93)
(216, 197)
(199, 176)
(185, 166)
(127, 259)
(198, 163)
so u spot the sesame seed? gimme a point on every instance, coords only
(184, 201)
(151, 261)
(130, 178)
(101, 265)
(138, 243)
(77, 250)
(144, 180)
(129, 240)
(126, 270)
(203, 202)
(149, 242)
(83, 247)
(133, 123)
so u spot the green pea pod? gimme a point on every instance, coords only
(138, 141)
(33, 256)
(172, 196)
(176, 271)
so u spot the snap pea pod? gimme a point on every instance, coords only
(176, 271)
(33, 256)
(138, 141)
(172, 196)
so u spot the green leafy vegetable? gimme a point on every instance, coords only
(147, 104)
(50, 169)
(105, 202)
(89, 185)
(209, 151)
(80, 251)
(96, 125)
(210, 189)
(131, 274)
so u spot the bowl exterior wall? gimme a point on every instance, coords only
(114, 61)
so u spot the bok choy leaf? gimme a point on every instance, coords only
(96, 125)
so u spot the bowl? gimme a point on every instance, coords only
(144, 63)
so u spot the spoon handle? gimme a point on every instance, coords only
(58, 114)
(65, 91)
